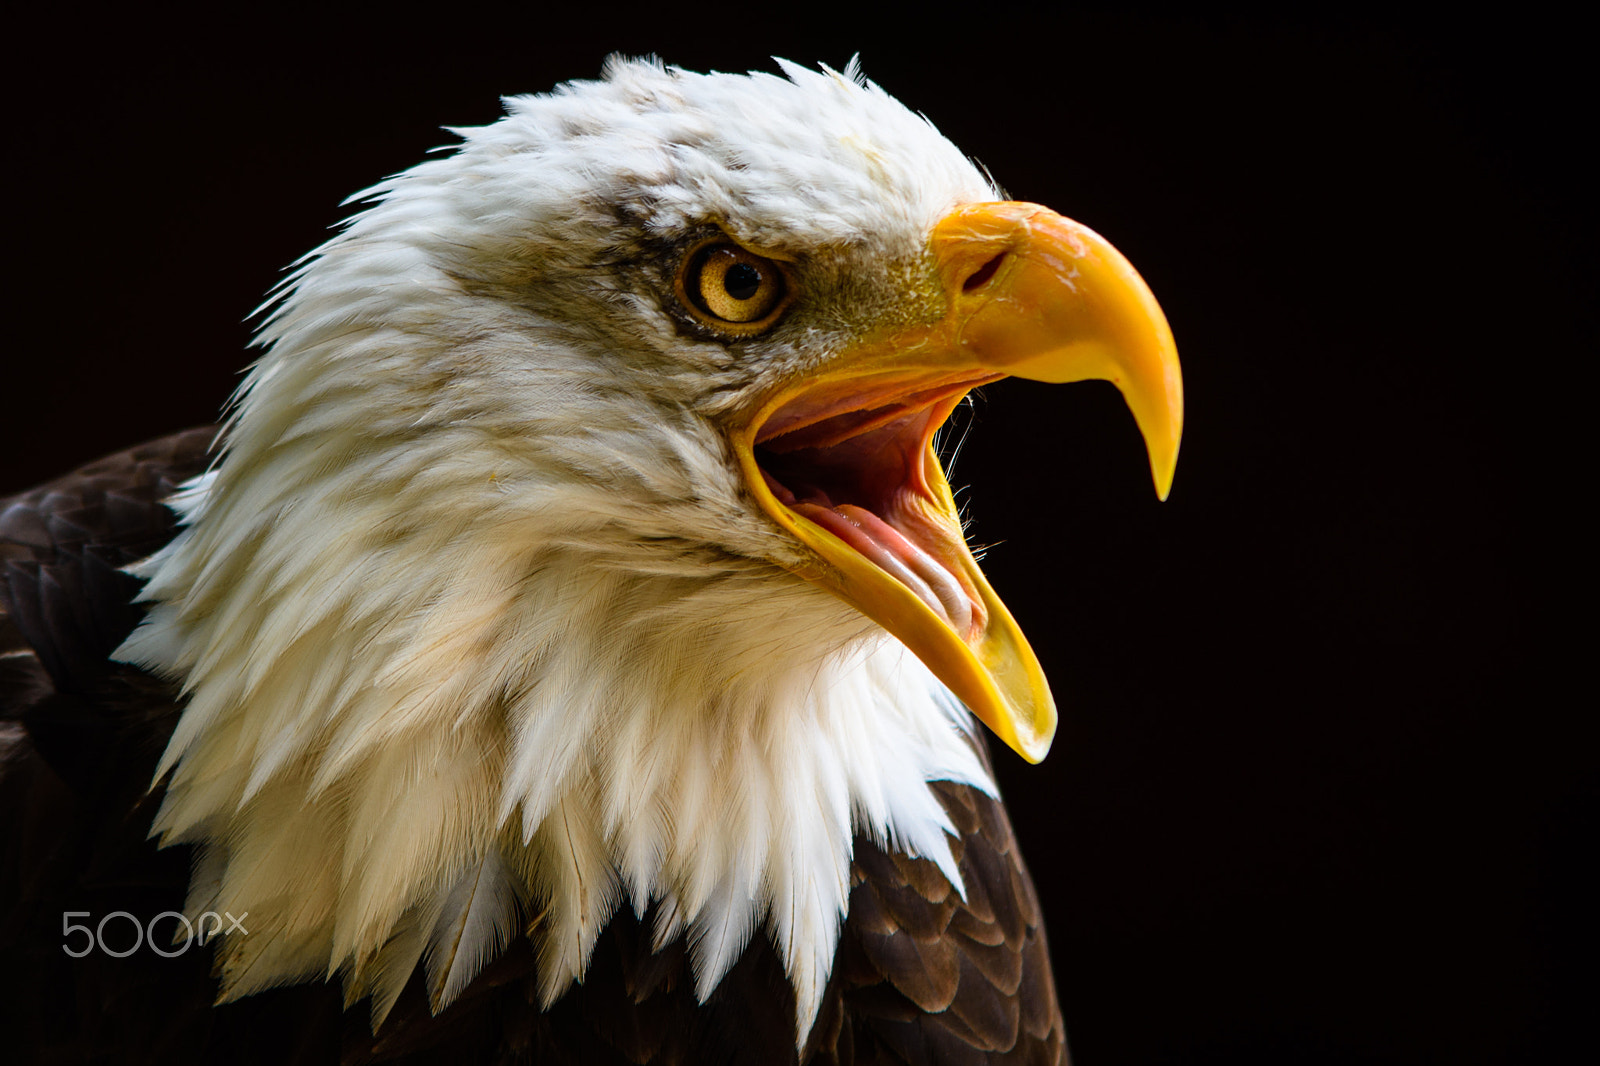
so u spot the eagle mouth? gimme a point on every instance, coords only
(859, 463)
(840, 455)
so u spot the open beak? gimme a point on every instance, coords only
(844, 457)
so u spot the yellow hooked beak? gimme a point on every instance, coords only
(844, 458)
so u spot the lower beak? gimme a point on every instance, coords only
(1027, 293)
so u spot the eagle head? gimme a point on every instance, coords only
(579, 539)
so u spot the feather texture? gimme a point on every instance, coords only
(478, 919)
(637, 1003)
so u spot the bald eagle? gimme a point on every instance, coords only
(568, 647)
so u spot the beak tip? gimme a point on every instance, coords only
(1163, 463)
(1035, 745)
(1034, 753)
(1163, 480)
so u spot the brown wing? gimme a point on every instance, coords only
(62, 544)
(921, 976)
(927, 976)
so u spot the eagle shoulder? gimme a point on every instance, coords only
(927, 975)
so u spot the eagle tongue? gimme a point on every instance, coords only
(890, 550)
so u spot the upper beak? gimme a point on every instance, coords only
(1027, 293)
(1062, 305)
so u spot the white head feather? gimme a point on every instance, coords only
(476, 617)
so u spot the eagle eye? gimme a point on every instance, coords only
(732, 290)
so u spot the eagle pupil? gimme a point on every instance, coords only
(742, 281)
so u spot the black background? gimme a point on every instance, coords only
(1319, 792)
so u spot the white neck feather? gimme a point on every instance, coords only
(428, 700)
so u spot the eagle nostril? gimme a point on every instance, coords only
(980, 277)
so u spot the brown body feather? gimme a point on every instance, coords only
(920, 975)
